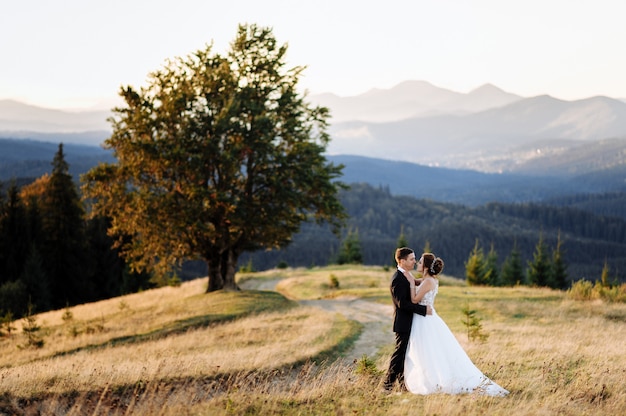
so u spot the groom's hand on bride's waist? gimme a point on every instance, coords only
(429, 310)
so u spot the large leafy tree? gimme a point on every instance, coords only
(217, 155)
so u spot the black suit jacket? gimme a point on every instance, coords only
(403, 307)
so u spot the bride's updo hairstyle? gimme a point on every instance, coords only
(433, 264)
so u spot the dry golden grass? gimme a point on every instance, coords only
(131, 318)
(555, 355)
(262, 342)
(162, 334)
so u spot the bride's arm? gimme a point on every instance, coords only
(424, 286)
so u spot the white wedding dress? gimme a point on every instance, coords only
(435, 361)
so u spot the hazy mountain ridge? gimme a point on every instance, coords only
(85, 138)
(471, 141)
(16, 116)
(487, 129)
(411, 99)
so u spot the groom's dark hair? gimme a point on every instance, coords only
(403, 253)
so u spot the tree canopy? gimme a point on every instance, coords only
(217, 155)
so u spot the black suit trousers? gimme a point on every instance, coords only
(396, 365)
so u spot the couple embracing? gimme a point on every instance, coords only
(427, 357)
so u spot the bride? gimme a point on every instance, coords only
(435, 361)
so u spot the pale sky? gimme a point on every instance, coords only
(77, 53)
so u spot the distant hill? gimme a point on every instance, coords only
(22, 158)
(452, 231)
(590, 169)
(569, 158)
(473, 188)
(487, 129)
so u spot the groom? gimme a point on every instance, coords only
(402, 316)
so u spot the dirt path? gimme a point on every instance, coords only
(376, 319)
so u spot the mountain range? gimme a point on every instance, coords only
(487, 129)
(22, 120)
(411, 99)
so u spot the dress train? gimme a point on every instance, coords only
(436, 363)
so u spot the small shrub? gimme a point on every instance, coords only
(282, 265)
(95, 327)
(31, 329)
(334, 282)
(613, 293)
(367, 367)
(68, 316)
(6, 324)
(89, 329)
(174, 281)
(586, 290)
(582, 290)
(247, 268)
(74, 330)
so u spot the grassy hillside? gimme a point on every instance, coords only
(177, 350)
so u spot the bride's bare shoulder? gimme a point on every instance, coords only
(429, 282)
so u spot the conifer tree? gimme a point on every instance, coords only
(604, 276)
(558, 275)
(539, 269)
(108, 267)
(32, 196)
(14, 242)
(35, 279)
(13, 297)
(350, 250)
(512, 271)
(475, 266)
(492, 274)
(427, 248)
(402, 241)
(64, 252)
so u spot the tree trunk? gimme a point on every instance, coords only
(216, 281)
(229, 268)
(222, 268)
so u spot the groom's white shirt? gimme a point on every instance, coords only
(401, 270)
